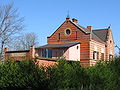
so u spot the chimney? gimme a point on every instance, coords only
(5, 55)
(90, 28)
(5, 49)
(75, 20)
(32, 51)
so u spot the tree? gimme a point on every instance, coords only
(10, 24)
(25, 41)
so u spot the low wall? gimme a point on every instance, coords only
(46, 62)
(19, 55)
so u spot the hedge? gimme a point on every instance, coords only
(64, 76)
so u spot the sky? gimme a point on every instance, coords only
(43, 17)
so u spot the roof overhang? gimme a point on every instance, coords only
(59, 45)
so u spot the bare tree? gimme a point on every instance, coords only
(25, 41)
(10, 24)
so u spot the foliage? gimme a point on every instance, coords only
(63, 76)
(103, 75)
(24, 74)
(67, 76)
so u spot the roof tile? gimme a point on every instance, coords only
(101, 33)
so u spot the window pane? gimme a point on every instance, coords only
(49, 53)
(102, 56)
(44, 53)
(94, 55)
(97, 55)
(68, 32)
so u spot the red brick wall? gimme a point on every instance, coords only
(68, 38)
(46, 63)
(82, 37)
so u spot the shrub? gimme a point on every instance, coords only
(63, 76)
(24, 74)
(67, 76)
(103, 76)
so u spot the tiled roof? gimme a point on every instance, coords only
(95, 37)
(59, 45)
(101, 33)
(86, 30)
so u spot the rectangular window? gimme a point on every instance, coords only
(110, 57)
(47, 53)
(76, 35)
(44, 53)
(95, 55)
(58, 36)
(102, 56)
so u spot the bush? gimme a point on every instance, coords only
(114, 66)
(67, 76)
(103, 75)
(24, 74)
(63, 76)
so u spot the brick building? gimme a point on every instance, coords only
(77, 43)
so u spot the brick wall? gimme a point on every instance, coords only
(109, 45)
(19, 55)
(99, 48)
(46, 63)
(54, 38)
(87, 46)
(82, 37)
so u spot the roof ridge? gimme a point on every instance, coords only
(99, 29)
(80, 27)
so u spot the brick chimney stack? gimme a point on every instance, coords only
(90, 28)
(32, 51)
(5, 55)
(75, 20)
(5, 49)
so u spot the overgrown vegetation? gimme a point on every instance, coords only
(64, 76)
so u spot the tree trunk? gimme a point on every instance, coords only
(2, 52)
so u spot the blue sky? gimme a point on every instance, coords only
(44, 16)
